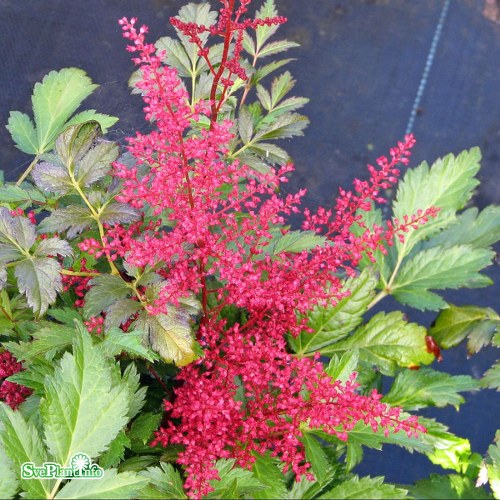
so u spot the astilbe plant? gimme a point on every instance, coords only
(246, 394)
(159, 314)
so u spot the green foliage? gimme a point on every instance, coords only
(101, 393)
(413, 390)
(54, 100)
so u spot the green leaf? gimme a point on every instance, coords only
(21, 442)
(164, 482)
(455, 323)
(267, 69)
(284, 126)
(117, 341)
(447, 450)
(295, 242)
(266, 470)
(478, 230)
(263, 33)
(331, 324)
(110, 485)
(120, 311)
(234, 481)
(52, 176)
(23, 132)
(143, 426)
(277, 47)
(316, 457)
(136, 392)
(170, 335)
(104, 121)
(106, 289)
(174, 55)
(11, 193)
(54, 100)
(342, 369)
(438, 268)
(448, 185)
(40, 280)
(9, 483)
(47, 342)
(447, 487)
(245, 124)
(74, 219)
(119, 213)
(83, 411)
(116, 451)
(414, 389)
(364, 487)
(491, 378)
(493, 466)
(387, 341)
(96, 163)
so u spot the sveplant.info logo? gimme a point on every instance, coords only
(80, 466)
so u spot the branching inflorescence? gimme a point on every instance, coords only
(215, 222)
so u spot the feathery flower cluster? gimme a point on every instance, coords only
(11, 393)
(216, 221)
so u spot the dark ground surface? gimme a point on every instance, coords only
(360, 63)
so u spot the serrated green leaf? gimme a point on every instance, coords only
(66, 316)
(455, 323)
(387, 341)
(438, 268)
(316, 457)
(266, 470)
(137, 393)
(267, 69)
(116, 451)
(117, 341)
(295, 242)
(478, 230)
(96, 163)
(106, 289)
(245, 124)
(110, 485)
(47, 341)
(342, 369)
(119, 312)
(447, 487)
(284, 126)
(164, 482)
(22, 443)
(11, 193)
(143, 426)
(119, 213)
(55, 99)
(82, 410)
(448, 185)
(491, 378)
(280, 87)
(40, 280)
(331, 324)
(9, 483)
(263, 33)
(493, 467)
(270, 153)
(277, 47)
(365, 487)
(170, 335)
(74, 219)
(447, 450)
(234, 481)
(414, 389)
(23, 132)
(104, 121)
(52, 177)
(174, 55)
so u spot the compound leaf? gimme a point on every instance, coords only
(106, 289)
(448, 185)
(83, 409)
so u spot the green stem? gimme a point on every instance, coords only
(28, 170)
(67, 272)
